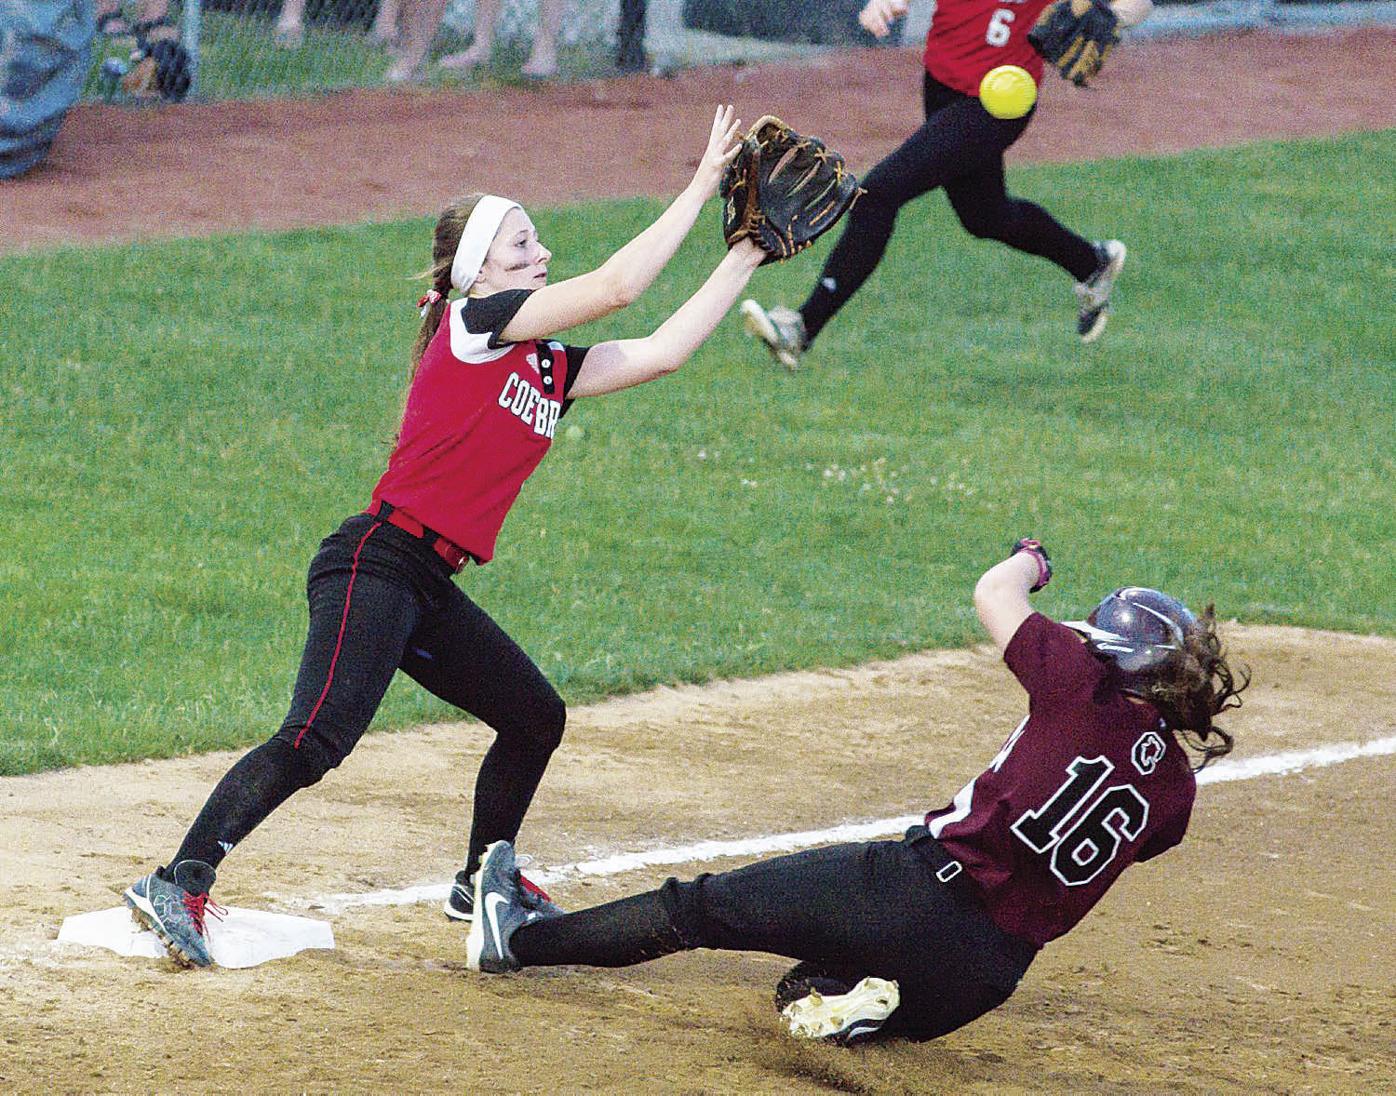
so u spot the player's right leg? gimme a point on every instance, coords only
(363, 606)
(986, 210)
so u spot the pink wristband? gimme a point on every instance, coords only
(1043, 571)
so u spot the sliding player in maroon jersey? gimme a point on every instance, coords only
(920, 936)
(488, 388)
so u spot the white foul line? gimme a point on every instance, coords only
(1222, 772)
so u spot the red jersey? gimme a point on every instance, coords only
(970, 37)
(1089, 783)
(480, 416)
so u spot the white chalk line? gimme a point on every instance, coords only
(1222, 772)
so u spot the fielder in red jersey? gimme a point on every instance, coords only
(969, 37)
(920, 936)
(959, 147)
(489, 386)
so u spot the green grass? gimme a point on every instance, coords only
(184, 421)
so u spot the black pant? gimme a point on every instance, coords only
(853, 910)
(960, 147)
(382, 600)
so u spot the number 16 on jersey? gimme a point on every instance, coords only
(1084, 841)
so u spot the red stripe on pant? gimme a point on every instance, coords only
(339, 639)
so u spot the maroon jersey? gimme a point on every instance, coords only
(480, 416)
(1089, 783)
(970, 37)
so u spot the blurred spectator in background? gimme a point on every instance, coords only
(45, 49)
(630, 36)
(422, 17)
(153, 14)
(290, 24)
(542, 61)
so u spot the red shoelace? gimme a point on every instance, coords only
(198, 905)
(533, 888)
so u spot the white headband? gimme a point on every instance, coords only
(475, 240)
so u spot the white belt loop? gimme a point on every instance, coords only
(949, 871)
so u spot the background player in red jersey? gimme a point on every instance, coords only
(488, 388)
(946, 920)
(960, 147)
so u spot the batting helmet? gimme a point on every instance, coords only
(1140, 630)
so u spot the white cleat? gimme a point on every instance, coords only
(781, 329)
(846, 1017)
(1093, 295)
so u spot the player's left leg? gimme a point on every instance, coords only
(986, 210)
(459, 653)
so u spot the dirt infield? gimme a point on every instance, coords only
(121, 174)
(1256, 957)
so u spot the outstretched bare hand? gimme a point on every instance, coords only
(878, 16)
(723, 143)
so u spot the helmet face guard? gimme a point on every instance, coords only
(1138, 629)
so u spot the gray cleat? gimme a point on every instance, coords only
(460, 903)
(781, 329)
(1093, 295)
(499, 912)
(171, 903)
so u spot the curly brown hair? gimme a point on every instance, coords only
(1196, 685)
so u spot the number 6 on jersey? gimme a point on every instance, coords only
(999, 29)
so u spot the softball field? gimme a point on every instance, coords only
(1260, 956)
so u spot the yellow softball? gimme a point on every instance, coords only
(1007, 91)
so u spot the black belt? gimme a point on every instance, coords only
(455, 556)
(951, 874)
(948, 871)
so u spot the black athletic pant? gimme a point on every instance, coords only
(852, 910)
(960, 147)
(382, 600)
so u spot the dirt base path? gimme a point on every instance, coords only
(1256, 957)
(120, 174)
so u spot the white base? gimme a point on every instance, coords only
(244, 938)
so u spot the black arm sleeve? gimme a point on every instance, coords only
(575, 356)
(492, 314)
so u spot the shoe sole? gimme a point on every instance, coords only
(143, 914)
(758, 325)
(1112, 272)
(454, 914)
(847, 1016)
(475, 941)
